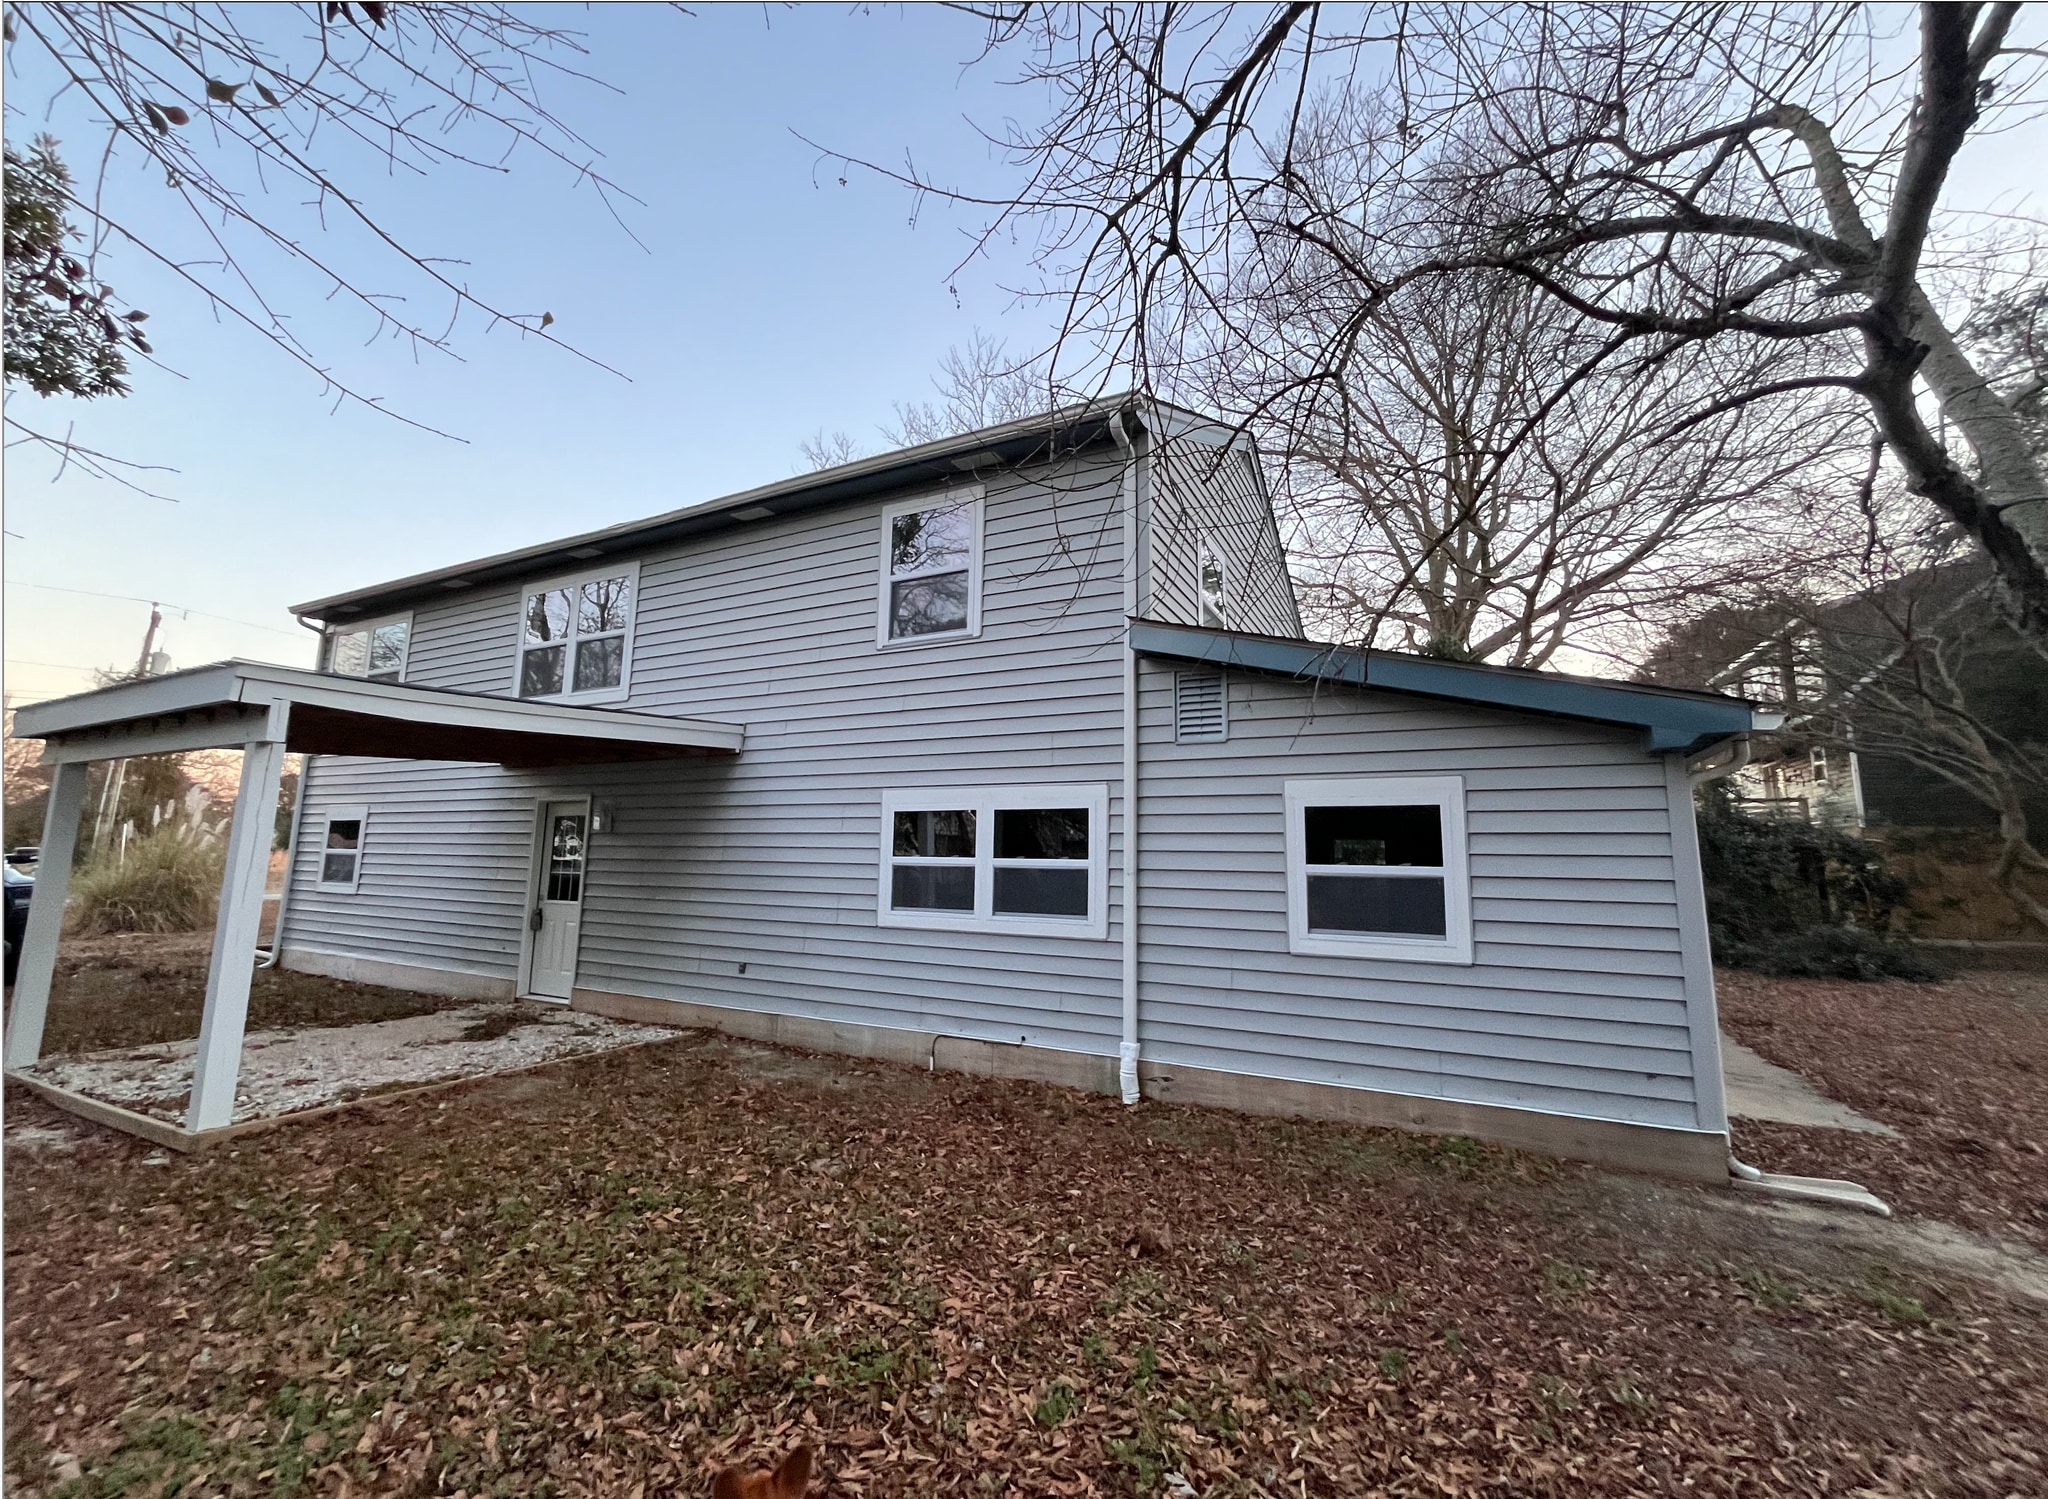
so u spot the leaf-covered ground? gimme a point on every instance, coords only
(1960, 1069)
(611, 1277)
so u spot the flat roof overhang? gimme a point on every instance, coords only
(237, 702)
(1672, 720)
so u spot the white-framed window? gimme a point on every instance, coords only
(340, 849)
(374, 648)
(1020, 859)
(1376, 868)
(1212, 598)
(576, 635)
(930, 586)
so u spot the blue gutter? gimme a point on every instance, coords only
(1671, 721)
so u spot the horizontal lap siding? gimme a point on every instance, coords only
(770, 859)
(1205, 485)
(1575, 1002)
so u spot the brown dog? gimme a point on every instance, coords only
(787, 1482)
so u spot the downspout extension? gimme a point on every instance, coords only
(1127, 1050)
(1821, 1189)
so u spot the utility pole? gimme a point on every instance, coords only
(117, 773)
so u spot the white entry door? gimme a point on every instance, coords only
(556, 920)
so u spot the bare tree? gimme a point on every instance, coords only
(1678, 176)
(265, 121)
(977, 386)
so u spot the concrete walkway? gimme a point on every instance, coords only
(1763, 1090)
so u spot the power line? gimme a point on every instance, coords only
(130, 598)
(53, 665)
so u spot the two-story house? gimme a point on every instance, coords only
(1006, 753)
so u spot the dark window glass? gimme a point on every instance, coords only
(928, 606)
(1041, 892)
(344, 833)
(540, 673)
(599, 663)
(1388, 906)
(338, 869)
(547, 616)
(603, 605)
(932, 887)
(1056, 833)
(935, 835)
(931, 539)
(1375, 835)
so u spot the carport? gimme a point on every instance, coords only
(267, 712)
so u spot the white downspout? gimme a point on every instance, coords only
(1127, 1052)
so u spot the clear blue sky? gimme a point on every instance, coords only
(775, 302)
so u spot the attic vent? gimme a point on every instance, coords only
(1199, 715)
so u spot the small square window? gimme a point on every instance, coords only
(931, 569)
(341, 849)
(1376, 868)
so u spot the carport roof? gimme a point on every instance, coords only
(237, 702)
(1671, 719)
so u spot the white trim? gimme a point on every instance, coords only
(984, 802)
(1448, 794)
(366, 627)
(537, 871)
(972, 496)
(571, 581)
(360, 816)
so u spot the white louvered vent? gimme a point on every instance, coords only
(1199, 715)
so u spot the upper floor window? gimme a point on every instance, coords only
(576, 635)
(931, 568)
(375, 649)
(1209, 586)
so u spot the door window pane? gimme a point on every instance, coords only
(1391, 905)
(540, 672)
(1041, 892)
(929, 540)
(1374, 835)
(547, 616)
(599, 663)
(565, 858)
(928, 606)
(1056, 833)
(934, 835)
(932, 887)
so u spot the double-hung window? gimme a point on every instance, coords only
(375, 649)
(1377, 869)
(341, 848)
(997, 859)
(576, 636)
(931, 569)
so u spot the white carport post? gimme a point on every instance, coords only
(45, 914)
(218, 1063)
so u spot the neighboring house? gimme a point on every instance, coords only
(1368, 886)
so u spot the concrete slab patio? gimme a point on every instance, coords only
(1762, 1090)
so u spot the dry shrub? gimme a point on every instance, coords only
(168, 881)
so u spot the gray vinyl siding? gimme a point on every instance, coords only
(1206, 485)
(1575, 1002)
(771, 859)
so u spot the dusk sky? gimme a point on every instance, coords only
(772, 301)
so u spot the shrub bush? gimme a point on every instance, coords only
(169, 881)
(1796, 900)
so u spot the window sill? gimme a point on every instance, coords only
(1002, 926)
(912, 642)
(1396, 949)
(579, 699)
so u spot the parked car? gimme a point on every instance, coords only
(25, 857)
(20, 890)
